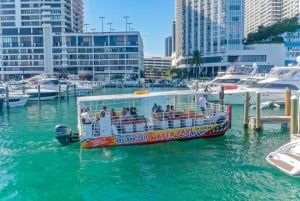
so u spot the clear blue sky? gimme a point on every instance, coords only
(152, 18)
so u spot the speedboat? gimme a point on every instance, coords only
(287, 158)
(14, 98)
(141, 124)
(42, 94)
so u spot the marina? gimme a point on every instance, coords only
(232, 161)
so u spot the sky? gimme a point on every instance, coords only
(152, 18)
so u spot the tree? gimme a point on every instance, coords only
(196, 62)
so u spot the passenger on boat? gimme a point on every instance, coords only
(202, 103)
(155, 107)
(103, 112)
(125, 115)
(113, 114)
(159, 110)
(133, 112)
(86, 117)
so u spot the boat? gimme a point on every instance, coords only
(14, 99)
(1, 103)
(144, 124)
(229, 79)
(271, 88)
(287, 158)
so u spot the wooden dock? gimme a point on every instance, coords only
(283, 120)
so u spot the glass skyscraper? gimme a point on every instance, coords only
(213, 27)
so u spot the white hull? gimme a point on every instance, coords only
(17, 100)
(237, 97)
(287, 158)
(45, 94)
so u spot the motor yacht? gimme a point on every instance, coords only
(271, 88)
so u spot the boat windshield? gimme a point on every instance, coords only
(241, 70)
(283, 72)
(220, 80)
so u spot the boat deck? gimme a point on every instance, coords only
(282, 164)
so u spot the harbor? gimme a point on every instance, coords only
(28, 145)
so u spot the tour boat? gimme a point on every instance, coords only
(287, 158)
(136, 119)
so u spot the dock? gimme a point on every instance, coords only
(288, 120)
(283, 120)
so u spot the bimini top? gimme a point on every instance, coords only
(138, 96)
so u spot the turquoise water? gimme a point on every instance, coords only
(34, 166)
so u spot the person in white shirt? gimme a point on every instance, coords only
(86, 117)
(202, 103)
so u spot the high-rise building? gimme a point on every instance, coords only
(62, 15)
(168, 46)
(266, 13)
(211, 27)
(39, 36)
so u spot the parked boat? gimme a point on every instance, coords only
(107, 120)
(42, 94)
(287, 158)
(272, 88)
(229, 79)
(14, 99)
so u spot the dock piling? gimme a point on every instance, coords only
(221, 98)
(7, 96)
(39, 92)
(246, 110)
(293, 126)
(287, 108)
(257, 120)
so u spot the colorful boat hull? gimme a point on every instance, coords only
(156, 136)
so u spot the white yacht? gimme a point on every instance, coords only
(287, 158)
(229, 79)
(272, 88)
(14, 99)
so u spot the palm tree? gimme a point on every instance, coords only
(196, 61)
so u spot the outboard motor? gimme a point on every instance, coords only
(64, 135)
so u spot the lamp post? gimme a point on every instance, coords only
(86, 27)
(93, 30)
(109, 23)
(101, 17)
(126, 17)
(129, 23)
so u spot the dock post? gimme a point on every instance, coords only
(229, 111)
(246, 109)
(59, 91)
(221, 98)
(23, 89)
(287, 109)
(257, 120)
(75, 94)
(298, 111)
(293, 126)
(7, 96)
(39, 92)
(68, 90)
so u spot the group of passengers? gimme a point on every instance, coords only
(168, 113)
(129, 114)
